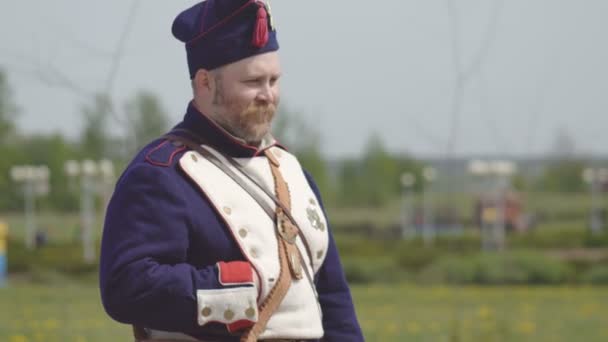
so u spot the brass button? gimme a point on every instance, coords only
(243, 233)
(312, 201)
(194, 158)
(228, 315)
(206, 312)
(254, 253)
(227, 210)
(250, 313)
(319, 254)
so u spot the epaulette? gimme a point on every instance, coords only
(163, 154)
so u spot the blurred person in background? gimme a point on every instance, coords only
(214, 231)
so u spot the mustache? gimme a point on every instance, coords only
(259, 113)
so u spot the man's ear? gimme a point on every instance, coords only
(203, 80)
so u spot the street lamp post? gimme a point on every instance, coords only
(35, 182)
(595, 177)
(94, 178)
(407, 182)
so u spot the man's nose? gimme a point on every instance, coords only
(265, 94)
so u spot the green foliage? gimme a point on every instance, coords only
(9, 191)
(94, 137)
(596, 240)
(563, 176)
(375, 179)
(64, 258)
(415, 258)
(550, 238)
(380, 173)
(147, 117)
(597, 275)
(8, 110)
(361, 270)
(309, 156)
(53, 151)
(498, 269)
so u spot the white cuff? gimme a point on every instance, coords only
(227, 305)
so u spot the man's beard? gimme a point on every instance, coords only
(253, 123)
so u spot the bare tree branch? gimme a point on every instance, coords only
(464, 74)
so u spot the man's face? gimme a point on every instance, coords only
(246, 95)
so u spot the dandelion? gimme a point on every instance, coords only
(413, 328)
(484, 312)
(526, 327)
(50, 324)
(392, 328)
(18, 338)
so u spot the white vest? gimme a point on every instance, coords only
(299, 315)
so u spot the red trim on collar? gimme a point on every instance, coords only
(169, 161)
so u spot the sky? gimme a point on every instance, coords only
(518, 72)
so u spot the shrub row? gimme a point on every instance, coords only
(508, 268)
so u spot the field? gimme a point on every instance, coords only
(387, 313)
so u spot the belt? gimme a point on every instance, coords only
(172, 340)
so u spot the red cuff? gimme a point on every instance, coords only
(235, 272)
(239, 325)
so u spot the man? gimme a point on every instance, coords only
(214, 231)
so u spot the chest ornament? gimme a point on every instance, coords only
(314, 218)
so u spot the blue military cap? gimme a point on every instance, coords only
(220, 32)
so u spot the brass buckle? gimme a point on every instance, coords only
(286, 229)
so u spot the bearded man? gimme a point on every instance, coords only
(214, 231)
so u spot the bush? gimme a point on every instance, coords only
(449, 271)
(498, 269)
(550, 237)
(596, 240)
(64, 258)
(597, 275)
(372, 270)
(415, 258)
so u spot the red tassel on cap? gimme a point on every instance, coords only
(260, 32)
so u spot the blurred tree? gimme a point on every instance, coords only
(351, 191)
(8, 109)
(562, 176)
(94, 136)
(8, 146)
(303, 140)
(53, 151)
(381, 173)
(147, 117)
(375, 179)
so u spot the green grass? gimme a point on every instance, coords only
(406, 313)
(387, 313)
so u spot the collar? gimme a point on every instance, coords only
(204, 127)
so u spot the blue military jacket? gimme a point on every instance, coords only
(162, 241)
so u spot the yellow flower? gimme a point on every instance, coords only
(412, 327)
(526, 327)
(484, 312)
(51, 324)
(18, 338)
